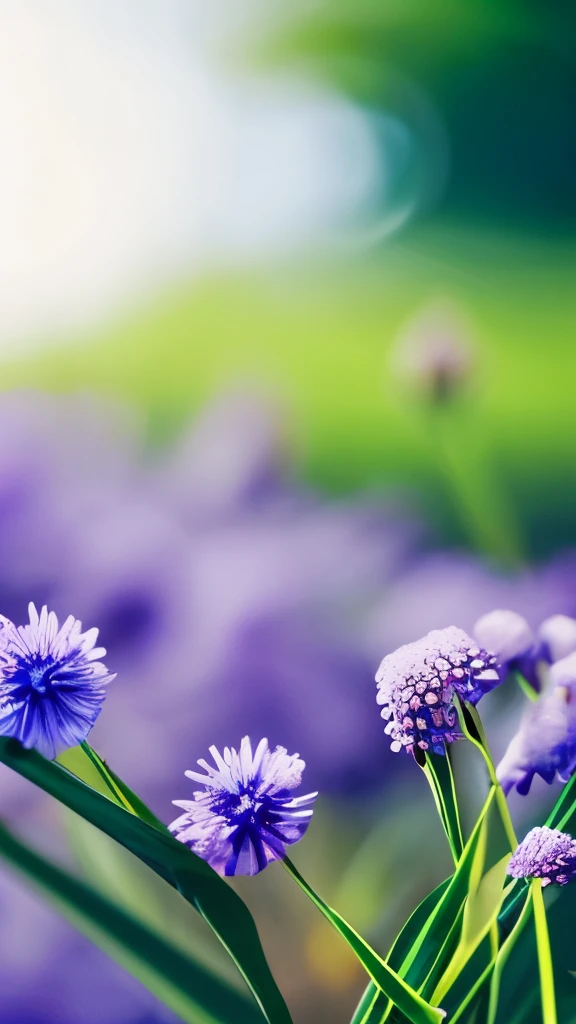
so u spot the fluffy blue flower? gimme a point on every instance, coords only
(417, 683)
(245, 816)
(52, 685)
(545, 853)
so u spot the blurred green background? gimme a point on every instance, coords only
(486, 91)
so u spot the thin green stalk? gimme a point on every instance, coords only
(440, 777)
(472, 728)
(477, 494)
(547, 991)
(398, 991)
(115, 791)
(527, 690)
(502, 958)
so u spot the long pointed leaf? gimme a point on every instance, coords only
(373, 1003)
(220, 906)
(438, 771)
(397, 990)
(187, 988)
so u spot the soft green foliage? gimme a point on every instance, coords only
(458, 955)
(223, 910)
(322, 340)
(193, 993)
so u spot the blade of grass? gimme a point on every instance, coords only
(503, 954)
(373, 1002)
(440, 777)
(184, 986)
(545, 966)
(472, 728)
(494, 970)
(209, 894)
(398, 991)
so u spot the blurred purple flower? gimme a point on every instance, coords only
(246, 815)
(518, 649)
(545, 743)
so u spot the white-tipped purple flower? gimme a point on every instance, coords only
(52, 684)
(545, 853)
(417, 683)
(245, 816)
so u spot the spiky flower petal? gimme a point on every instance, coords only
(52, 684)
(245, 816)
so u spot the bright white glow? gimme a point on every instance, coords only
(129, 157)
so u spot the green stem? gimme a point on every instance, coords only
(440, 777)
(494, 968)
(466, 465)
(546, 968)
(501, 959)
(527, 690)
(471, 725)
(398, 991)
(116, 792)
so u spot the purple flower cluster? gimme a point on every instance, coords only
(245, 816)
(545, 853)
(52, 683)
(417, 683)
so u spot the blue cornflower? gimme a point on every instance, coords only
(52, 685)
(245, 816)
(545, 743)
(417, 683)
(545, 853)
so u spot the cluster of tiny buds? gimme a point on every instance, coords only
(418, 682)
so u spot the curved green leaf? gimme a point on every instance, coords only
(373, 1003)
(398, 991)
(438, 771)
(191, 991)
(220, 906)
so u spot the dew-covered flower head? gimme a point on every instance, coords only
(545, 853)
(417, 683)
(245, 815)
(52, 683)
